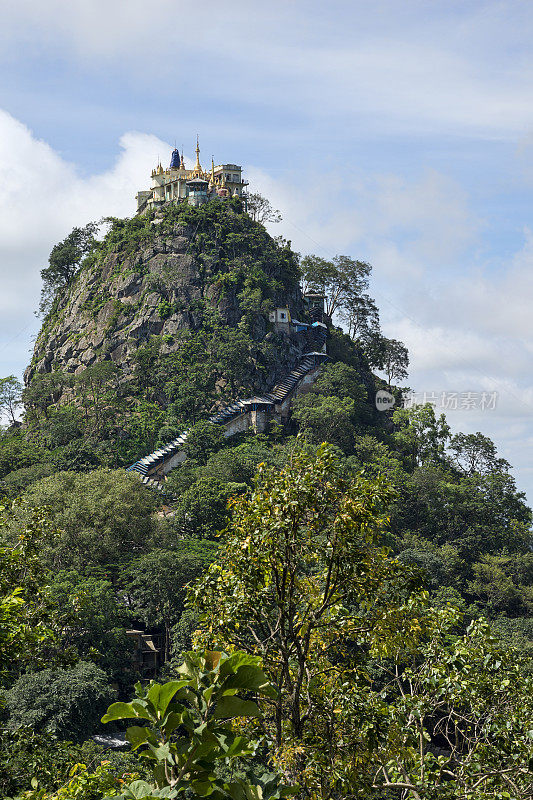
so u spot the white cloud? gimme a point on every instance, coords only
(42, 198)
(467, 326)
(419, 68)
(405, 226)
(499, 303)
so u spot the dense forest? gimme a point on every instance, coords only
(338, 607)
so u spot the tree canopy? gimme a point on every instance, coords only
(64, 262)
(373, 566)
(376, 691)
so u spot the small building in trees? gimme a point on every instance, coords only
(281, 319)
(315, 302)
(145, 656)
(197, 190)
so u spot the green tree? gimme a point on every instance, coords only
(361, 316)
(303, 582)
(91, 623)
(65, 702)
(238, 463)
(60, 770)
(474, 452)
(459, 724)
(260, 209)
(10, 397)
(201, 509)
(343, 280)
(230, 351)
(504, 583)
(25, 620)
(181, 637)
(377, 458)
(104, 517)
(516, 633)
(476, 513)
(184, 379)
(78, 456)
(326, 419)
(156, 584)
(81, 783)
(203, 439)
(17, 452)
(377, 693)
(139, 431)
(335, 408)
(64, 262)
(64, 424)
(390, 356)
(420, 436)
(18, 481)
(341, 380)
(97, 392)
(44, 390)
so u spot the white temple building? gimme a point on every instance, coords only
(195, 186)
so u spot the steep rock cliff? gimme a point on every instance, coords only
(166, 276)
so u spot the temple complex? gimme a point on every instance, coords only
(195, 186)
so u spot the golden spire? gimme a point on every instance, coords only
(197, 166)
(212, 170)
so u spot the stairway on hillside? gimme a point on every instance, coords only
(267, 402)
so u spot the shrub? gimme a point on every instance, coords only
(67, 703)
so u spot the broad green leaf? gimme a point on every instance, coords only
(250, 677)
(239, 792)
(233, 706)
(141, 711)
(119, 711)
(236, 660)
(202, 788)
(137, 736)
(139, 790)
(160, 753)
(253, 793)
(207, 693)
(163, 697)
(172, 722)
(154, 690)
(239, 747)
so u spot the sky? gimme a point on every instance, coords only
(396, 132)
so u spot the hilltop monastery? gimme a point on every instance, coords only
(196, 186)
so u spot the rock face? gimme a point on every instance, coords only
(161, 282)
(112, 308)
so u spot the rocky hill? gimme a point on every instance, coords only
(159, 280)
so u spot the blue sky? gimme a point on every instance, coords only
(397, 132)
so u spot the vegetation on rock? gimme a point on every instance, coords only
(363, 573)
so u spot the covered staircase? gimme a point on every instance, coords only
(153, 467)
